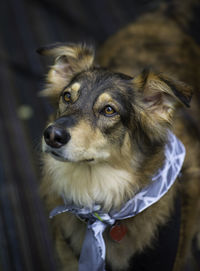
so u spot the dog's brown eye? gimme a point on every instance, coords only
(67, 97)
(108, 111)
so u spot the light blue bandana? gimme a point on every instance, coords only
(93, 250)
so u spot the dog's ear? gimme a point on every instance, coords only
(69, 59)
(158, 96)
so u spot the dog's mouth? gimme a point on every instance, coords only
(55, 154)
(58, 157)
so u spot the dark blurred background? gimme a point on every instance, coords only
(25, 243)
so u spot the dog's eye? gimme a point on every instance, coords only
(67, 97)
(108, 111)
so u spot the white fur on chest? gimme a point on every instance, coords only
(85, 184)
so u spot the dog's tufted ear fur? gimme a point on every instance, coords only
(158, 96)
(70, 59)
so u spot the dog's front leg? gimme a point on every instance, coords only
(68, 235)
(66, 258)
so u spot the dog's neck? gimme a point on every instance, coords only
(84, 184)
(103, 183)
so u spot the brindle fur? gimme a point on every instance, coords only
(110, 158)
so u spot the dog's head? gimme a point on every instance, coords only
(102, 115)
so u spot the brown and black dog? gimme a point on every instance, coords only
(106, 139)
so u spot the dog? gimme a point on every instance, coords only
(107, 140)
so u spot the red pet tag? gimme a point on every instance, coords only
(118, 231)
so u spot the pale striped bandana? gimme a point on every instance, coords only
(93, 250)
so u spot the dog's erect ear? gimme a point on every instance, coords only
(70, 59)
(157, 97)
(160, 94)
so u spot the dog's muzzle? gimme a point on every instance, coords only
(56, 136)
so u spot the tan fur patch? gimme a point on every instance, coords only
(105, 97)
(76, 86)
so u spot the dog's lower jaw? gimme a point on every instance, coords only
(56, 156)
(79, 156)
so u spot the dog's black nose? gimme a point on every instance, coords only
(56, 137)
